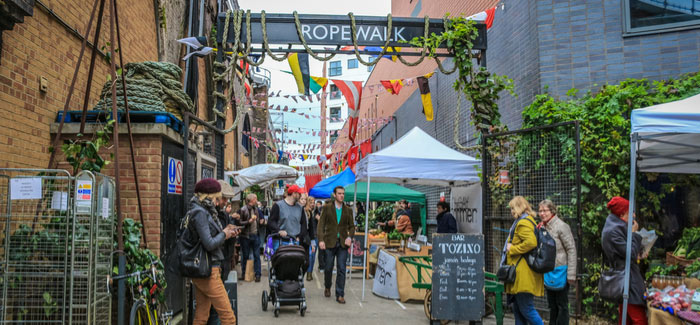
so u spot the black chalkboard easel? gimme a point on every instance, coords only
(458, 277)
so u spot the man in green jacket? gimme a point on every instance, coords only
(335, 231)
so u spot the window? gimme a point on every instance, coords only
(336, 69)
(335, 112)
(646, 16)
(370, 68)
(335, 92)
(333, 137)
(352, 64)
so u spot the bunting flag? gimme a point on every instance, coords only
(392, 86)
(485, 16)
(353, 157)
(299, 63)
(198, 44)
(425, 96)
(366, 147)
(317, 83)
(352, 90)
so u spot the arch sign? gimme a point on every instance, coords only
(174, 176)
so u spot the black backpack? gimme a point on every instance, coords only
(543, 257)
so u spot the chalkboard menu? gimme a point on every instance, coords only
(356, 254)
(458, 277)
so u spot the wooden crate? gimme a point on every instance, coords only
(677, 260)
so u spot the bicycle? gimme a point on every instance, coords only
(146, 309)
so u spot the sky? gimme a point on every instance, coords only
(284, 82)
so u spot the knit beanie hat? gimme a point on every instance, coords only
(618, 206)
(207, 186)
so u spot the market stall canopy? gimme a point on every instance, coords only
(262, 175)
(417, 158)
(324, 188)
(669, 137)
(227, 190)
(384, 192)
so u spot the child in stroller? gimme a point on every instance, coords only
(287, 261)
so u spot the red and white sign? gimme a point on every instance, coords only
(503, 177)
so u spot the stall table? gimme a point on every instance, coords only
(405, 274)
(661, 317)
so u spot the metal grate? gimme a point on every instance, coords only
(539, 163)
(52, 257)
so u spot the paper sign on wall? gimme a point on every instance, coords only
(25, 188)
(105, 208)
(465, 204)
(59, 201)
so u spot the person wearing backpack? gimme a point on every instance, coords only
(527, 283)
(558, 281)
(212, 234)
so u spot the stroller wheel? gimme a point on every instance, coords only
(302, 311)
(264, 300)
(277, 312)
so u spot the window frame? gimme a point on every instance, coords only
(340, 111)
(332, 69)
(357, 64)
(628, 30)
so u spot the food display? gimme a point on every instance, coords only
(671, 299)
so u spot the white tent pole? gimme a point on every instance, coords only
(354, 217)
(630, 222)
(364, 263)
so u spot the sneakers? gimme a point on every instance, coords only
(309, 277)
(340, 300)
(257, 278)
(327, 293)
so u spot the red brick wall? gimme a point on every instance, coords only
(148, 153)
(42, 47)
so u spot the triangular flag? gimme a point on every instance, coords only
(426, 98)
(485, 16)
(392, 86)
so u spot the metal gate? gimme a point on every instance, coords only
(538, 163)
(56, 237)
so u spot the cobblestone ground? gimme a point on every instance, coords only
(322, 310)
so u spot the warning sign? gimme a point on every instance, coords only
(174, 176)
(83, 196)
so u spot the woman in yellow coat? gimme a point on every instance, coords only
(528, 283)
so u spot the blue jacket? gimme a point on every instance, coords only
(447, 224)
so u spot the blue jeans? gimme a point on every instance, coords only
(248, 244)
(341, 256)
(524, 310)
(312, 255)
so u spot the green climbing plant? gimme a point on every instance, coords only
(84, 154)
(605, 155)
(476, 84)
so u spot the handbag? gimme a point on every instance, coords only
(555, 280)
(611, 284)
(506, 273)
(193, 258)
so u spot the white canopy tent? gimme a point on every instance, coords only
(415, 158)
(262, 174)
(665, 139)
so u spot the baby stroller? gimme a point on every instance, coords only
(286, 275)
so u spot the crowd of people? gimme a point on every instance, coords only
(325, 230)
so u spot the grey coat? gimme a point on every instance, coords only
(566, 245)
(614, 243)
(209, 229)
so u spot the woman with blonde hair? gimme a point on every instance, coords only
(312, 223)
(212, 234)
(528, 283)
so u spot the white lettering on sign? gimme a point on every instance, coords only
(174, 176)
(343, 33)
(466, 208)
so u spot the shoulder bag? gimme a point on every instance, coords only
(506, 273)
(193, 258)
(611, 284)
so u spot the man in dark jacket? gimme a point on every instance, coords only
(614, 242)
(335, 231)
(446, 222)
(249, 239)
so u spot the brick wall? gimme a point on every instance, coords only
(148, 154)
(41, 47)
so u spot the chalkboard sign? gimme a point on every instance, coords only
(356, 254)
(458, 277)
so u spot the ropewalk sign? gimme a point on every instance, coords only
(337, 30)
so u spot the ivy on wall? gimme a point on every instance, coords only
(605, 154)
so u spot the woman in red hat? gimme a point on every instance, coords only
(614, 241)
